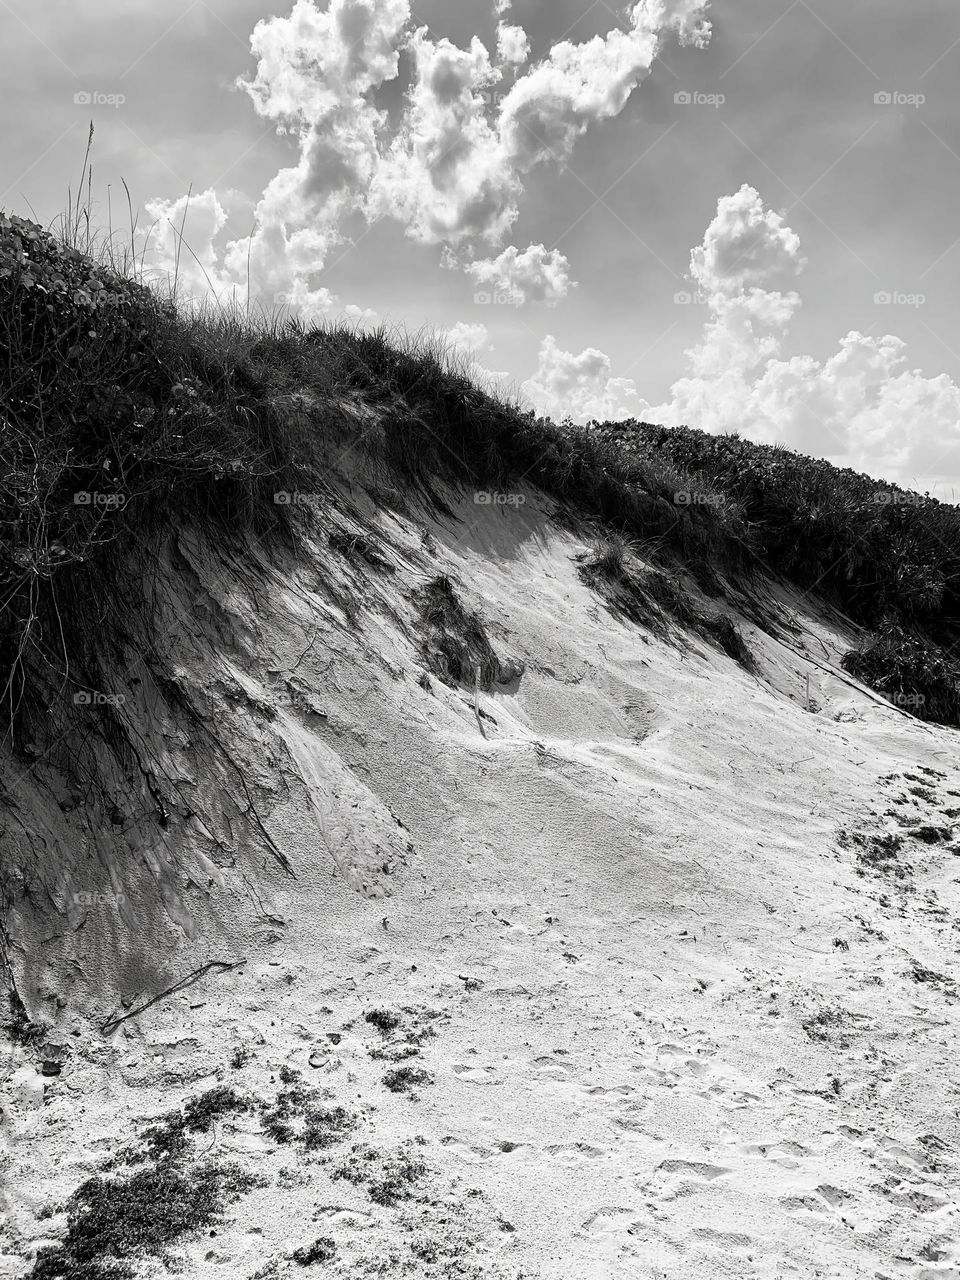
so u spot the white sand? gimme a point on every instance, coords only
(638, 871)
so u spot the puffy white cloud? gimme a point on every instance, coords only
(180, 245)
(444, 174)
(513, 44)
(578, 85)
(453, 173)
(360, 315)
(316, 75)
(468, 339)
(450, 167)
(579, 386)
(863, 407)
(311, 63)
(535, 275)
(746, 246)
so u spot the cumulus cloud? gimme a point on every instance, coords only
(360, 315)
(745, 246)
(579, 386)
(862, 407)
(317, 72)
(180, 244)
(444, 175)
(535, 275)
(579, 85)
(468, 339)
(316, 78)
(513, 44)
(451, 166)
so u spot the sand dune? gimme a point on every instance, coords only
(674, 1014)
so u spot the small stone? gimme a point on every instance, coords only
(27, 1088)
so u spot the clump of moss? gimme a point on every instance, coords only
(298, 1115)
(385, 1020)
(823, 1025)
(930, 834)
(411, 1032)
(879, 853)
(113, 1222)
(169, 1138)
(403, 1079)
(389, 1177)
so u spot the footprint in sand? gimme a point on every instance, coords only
(339, 1215)
(551, 1069)
(802, 1204)
(724, 1239)
(575, 1153)
(692, 1169)
(469, 1152)
(626, 1246)
(833, 1196)
(476, 1075)
(677, 1179)
(632, 1123)
(608, 1223)
(514, 1150)
(786, 1154)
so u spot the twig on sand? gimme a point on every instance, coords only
(223, 966)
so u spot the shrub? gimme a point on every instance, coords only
(609, 560)
(909, 671)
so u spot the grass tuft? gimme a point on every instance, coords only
(911, 672)
(456, 647)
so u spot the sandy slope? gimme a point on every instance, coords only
(678, 1031)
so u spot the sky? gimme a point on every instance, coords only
(738, 215)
